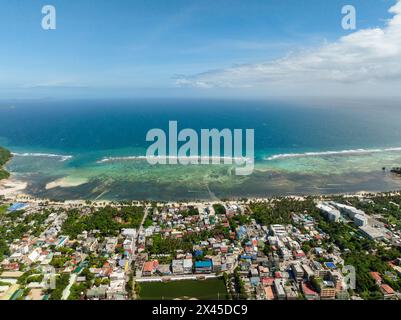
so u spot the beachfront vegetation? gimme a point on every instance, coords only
(219, 209)
(167, 245)
(108, 220)
(5, 156)
(279, 210)
(191, 211)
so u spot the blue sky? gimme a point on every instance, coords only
(126, 48)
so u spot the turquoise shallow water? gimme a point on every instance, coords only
(299, 148)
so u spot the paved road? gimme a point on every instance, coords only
(134, 249)
(66, 292)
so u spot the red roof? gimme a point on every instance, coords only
(148, 266)
(376, 276)
(269, 293)
(306, 288)
(299, 254)
(267, 281)
(387, 289)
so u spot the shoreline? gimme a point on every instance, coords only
(16, 188)
(13, 189)
(12, 186)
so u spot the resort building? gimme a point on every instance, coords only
(329, 211)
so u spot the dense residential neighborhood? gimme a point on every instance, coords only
(313, 248)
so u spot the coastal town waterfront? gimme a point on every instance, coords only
(285, 248)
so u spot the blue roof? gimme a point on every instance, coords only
(198, 253)
(203, 264)
(17, 206)
(246, 257)
(330, 265)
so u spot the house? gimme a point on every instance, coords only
(149, 268)
(308, 271)
(178, 267)
(269, 295)
(129, 233)
(327, 290)
(255, 281)
(187, 266)
(319, 251)
(62, 241)
(267, 281)
(298, 271)
(291, 292)
(299, 254)
(116, 290)
(96, 293)
(164, 270)
(376, 276)
(128, 245)
(217, 263)
(263, 271)
(111, 244)
(279, 289)
(388, 292)
(90, 245)
(308, 292)
(203, 266)
(278, 230)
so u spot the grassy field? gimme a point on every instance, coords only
(203, 290)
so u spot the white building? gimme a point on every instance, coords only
(278, 230)
(279, 288)
(373, 233)
(348, 210)
(298, 271)
(187, 265)
(361, 220)
(329, 211)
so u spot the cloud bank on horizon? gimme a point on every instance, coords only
(365, 62)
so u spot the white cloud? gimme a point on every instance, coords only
(367, 61)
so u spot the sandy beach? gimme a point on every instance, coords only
(12, 187)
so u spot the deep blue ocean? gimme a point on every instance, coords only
(80, 126)
(91, 130)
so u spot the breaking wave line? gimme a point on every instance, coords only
(44, 155)
(191, 158)
(331, 153)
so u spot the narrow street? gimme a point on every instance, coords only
(134, 250)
